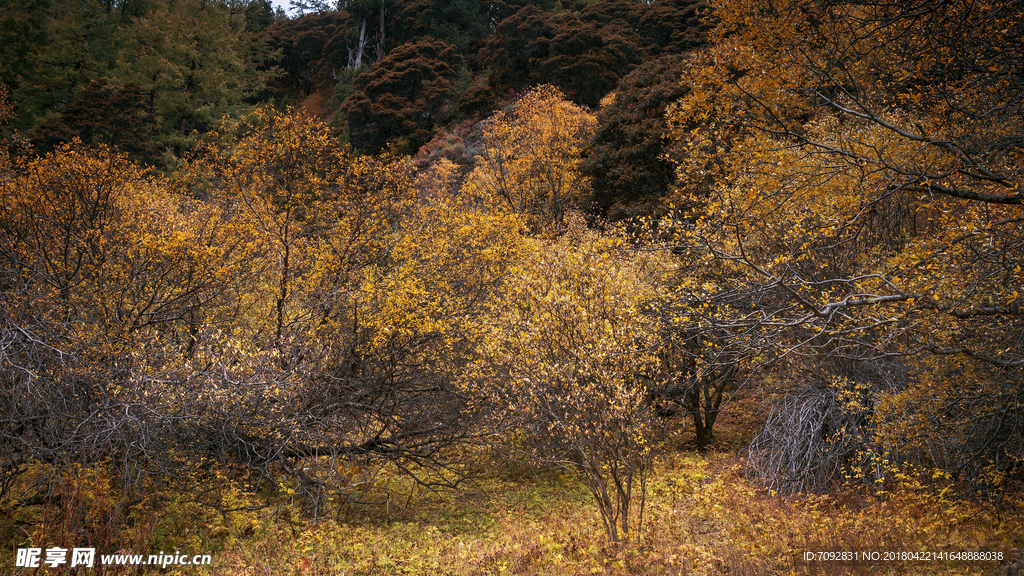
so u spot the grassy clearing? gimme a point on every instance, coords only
(703, 518)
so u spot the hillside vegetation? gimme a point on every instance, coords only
(488, 288)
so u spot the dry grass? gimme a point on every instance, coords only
(703, 519)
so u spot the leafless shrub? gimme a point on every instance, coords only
(815, 431)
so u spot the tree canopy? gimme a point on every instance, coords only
(582, 59)
(119, 117)
(530, 158)
(628, 159)
(404, 96)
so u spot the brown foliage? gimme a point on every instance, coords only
(400, 101)
(627, 161)
(583, 59)
(118, 117)
(311, 50)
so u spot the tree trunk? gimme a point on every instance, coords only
(358, 63)
(703, 433)
(380, 38)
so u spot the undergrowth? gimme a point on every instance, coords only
(703, 518)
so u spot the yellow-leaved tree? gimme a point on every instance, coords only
(864, 226)
(372, 279)
(567, 360)
(530, 161)
(107, 279)
(280, 306)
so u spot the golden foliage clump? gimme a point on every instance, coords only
(567, 360)
(106, 249)
(530, 160)
(278, 304)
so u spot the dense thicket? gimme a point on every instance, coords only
(409, 92)
(296, 313)
(310, 313)
(116, 116)
(863, 227)
(309, 51)
(837, 191)
(629, 161)
(194, 62)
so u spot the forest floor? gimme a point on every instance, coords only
(702, 517)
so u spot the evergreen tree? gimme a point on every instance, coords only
(195, 63)
(626, 159)
(460, 23)
(309, 50)
(117, 116)
(50, 50)
(398, 103)
(583, 59)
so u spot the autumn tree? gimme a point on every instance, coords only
(569, 358)
(280, 172)
(372, 282)
(107, 279)
(279, 305)
(865, 209)
(530, 157)
(704, 366)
